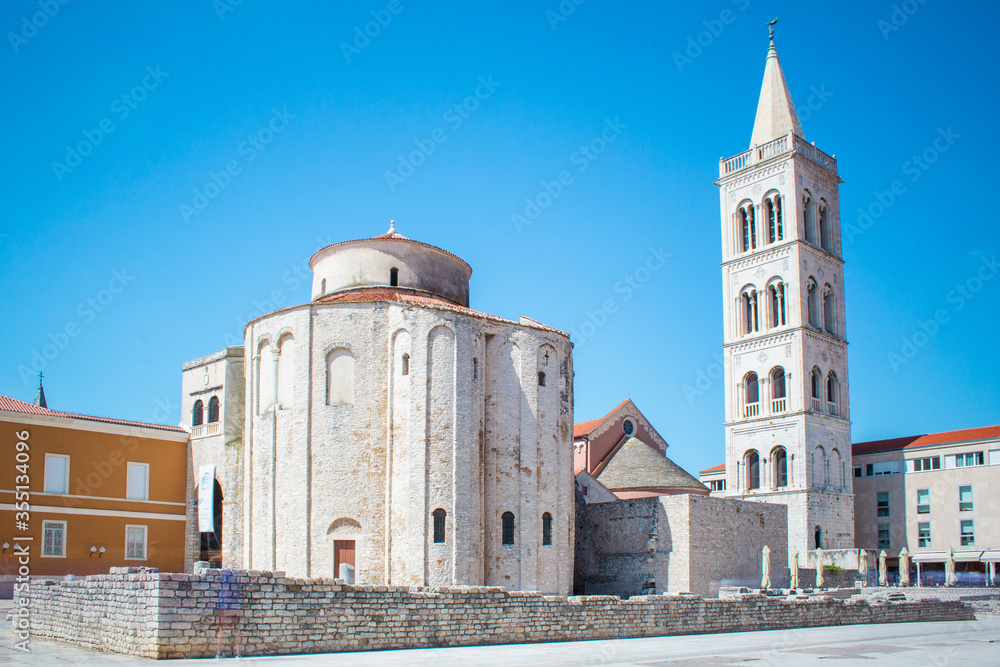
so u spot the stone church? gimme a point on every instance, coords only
(388, 426)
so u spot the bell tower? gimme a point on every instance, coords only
(788, 429)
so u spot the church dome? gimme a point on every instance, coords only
(390, 261)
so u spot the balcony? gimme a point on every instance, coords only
(779, 405)
(816, 403)
(831, 408)
(205, 430)
(751, 410)
(774, 148)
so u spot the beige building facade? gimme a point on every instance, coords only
(938, 496)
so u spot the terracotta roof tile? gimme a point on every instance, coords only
(961, 435)
(10, 404)
(887, 445)
(718, 468)
(941, 438)
(584, 428)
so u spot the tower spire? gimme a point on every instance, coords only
(776, 114)
(40, 394)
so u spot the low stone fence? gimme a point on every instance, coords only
(159, 615)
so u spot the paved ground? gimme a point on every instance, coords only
(910, 644)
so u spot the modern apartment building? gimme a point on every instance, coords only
(936, 495)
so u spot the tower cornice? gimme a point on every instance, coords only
(758, 158)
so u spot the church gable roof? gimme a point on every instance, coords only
(637, 465)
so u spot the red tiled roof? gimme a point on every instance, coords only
(584, 428)
(362, 295)
(961, 435)
(718, 468)
(888, 445)
(941, 438)
(14, 405)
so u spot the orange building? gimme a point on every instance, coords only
(82, 494)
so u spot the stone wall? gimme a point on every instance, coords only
(682, 543)
(146, 613)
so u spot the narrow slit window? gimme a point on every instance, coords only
(508, 527)
(406, 364)
(394, 277)
(439, 517)
(541, 379)
(546, 529)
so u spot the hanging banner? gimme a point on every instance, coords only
(206, 498)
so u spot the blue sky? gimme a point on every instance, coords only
(225, 143)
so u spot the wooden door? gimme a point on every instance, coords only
(343, 552)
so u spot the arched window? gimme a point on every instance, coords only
(405, 366)
(818, 537)
(439, 517)
(817, 389)
(780, 460)
(772, 231)
(213, 409)
(812, 302)
(776, 295)
(778, 397)
(777, 217)
(198, 413)
(751, 393)
(541, 379)
(745, 228)
(807, 218)
(748, 316)
(829, 311)
(753, 227)
(508, 527)
(546, 529)
(265, 378)
(752, 464)
(322, 287)
(825, 234)
(340, 377)
(832, 391)
(286, 372)
(393, 277)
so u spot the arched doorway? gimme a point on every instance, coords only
(344, 535)
(211, 541)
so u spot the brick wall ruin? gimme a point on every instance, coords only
(142, 612)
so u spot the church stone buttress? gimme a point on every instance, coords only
(788, 429)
